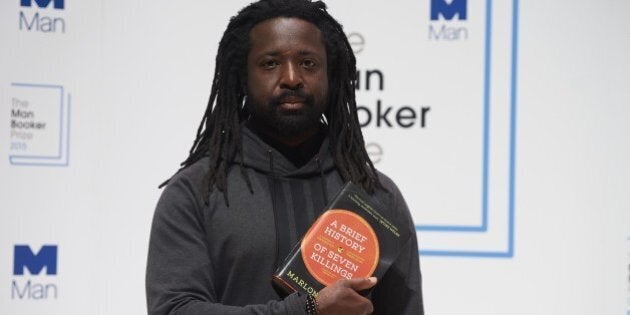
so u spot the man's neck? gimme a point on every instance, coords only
(297, 153)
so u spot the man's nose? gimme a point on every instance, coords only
(291, 77)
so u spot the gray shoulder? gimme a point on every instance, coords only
(194, 172)
(389, 184)
(187, 182)
(393, 200)
(391, 195)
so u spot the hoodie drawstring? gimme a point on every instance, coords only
(272, 180)
(323, 180)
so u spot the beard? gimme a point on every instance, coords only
(288, 122)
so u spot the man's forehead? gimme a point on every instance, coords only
(287, 27)
(286, 32)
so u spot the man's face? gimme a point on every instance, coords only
(287, 80)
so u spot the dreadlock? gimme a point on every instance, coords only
(218, 135)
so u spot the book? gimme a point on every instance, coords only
(352, 238)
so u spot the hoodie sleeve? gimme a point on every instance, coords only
(400, 289)
(179, 277)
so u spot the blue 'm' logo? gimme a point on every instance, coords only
(57, 4)
(24, 257)
(448, 10)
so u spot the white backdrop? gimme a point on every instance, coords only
(504, 126)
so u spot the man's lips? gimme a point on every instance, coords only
(292, 103)
(292, 99)
(291, 106)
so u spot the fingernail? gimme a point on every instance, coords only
(372, 279)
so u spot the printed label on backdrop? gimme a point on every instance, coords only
(39, 124)
(42, 16)
(34, 273)
(448, 112)
(477, 141)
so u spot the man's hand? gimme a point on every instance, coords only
(342, 297)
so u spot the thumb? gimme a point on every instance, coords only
(360, 284)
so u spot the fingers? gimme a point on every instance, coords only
(360, 284)
(343, 297)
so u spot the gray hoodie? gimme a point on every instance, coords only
(208, 258)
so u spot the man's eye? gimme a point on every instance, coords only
(308, 63)
(269, 64)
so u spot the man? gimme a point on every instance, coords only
(279, 138)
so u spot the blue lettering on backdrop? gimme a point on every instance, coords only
(57, 4)
(34, 20)
(30, 288)
(448, 10)
(446, 27)
(23, 257)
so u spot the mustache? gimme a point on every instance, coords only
(293, 96)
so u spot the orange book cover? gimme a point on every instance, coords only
(351, 239)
